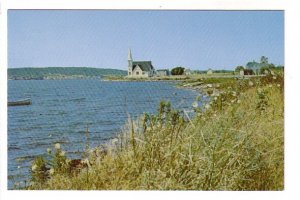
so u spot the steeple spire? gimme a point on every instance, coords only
(129, 55)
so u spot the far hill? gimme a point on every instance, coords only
(62, 73)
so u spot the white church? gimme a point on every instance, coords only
(139, 68)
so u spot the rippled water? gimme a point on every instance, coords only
(62, 109)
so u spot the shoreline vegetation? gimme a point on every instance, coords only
(233, 142)
(61, 73)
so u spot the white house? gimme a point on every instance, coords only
(209, 71)
(162, 72)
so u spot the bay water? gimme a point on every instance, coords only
(62, 110)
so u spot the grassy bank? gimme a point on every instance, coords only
(235, 142)
(154, 78)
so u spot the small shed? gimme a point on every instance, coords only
(187, 72)
(162, 72)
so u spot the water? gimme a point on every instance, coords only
(62, 109)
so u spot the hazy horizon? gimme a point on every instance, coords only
(100, 39)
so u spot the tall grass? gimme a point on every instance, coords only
(236, 142)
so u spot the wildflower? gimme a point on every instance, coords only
(49, 150)
(234, 93)
(278, 85)
(232, 101)
(62, 153)
(84, 161)
(238, 101)
(207, 106)
(92, 151)
(215, 98)
(272, 73)
(250, 83)
(215, 93)
(34, 167)
(259, 90)
(270, 85)
(195, 104)
(114, 141)
(51, 171)
(209, 85)
(57, 146)
(274, 77)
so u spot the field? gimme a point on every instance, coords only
(233, 142)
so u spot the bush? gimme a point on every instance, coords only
(177, 71)
(239, 68)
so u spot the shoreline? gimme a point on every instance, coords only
(222, 118)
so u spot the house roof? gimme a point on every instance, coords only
(144, 65)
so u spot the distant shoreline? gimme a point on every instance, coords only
(62, 73)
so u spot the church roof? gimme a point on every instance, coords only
(144, 65)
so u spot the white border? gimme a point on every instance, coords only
(292, 113)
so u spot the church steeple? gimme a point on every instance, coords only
(129, 63)
(129, 55)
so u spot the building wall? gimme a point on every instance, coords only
(242, 73)
(209, 72)
(129, 68)
(137, 72)
(162, 73)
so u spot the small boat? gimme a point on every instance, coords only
(22, 102)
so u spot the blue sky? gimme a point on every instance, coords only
(98, 38)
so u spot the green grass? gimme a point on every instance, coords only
(236, 142)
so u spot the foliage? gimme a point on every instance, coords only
(62, 72)
(264, 60)
(177, 71)
(262, 100)
(53, 164)
(239, 68)
(39, 171)
(252, 65)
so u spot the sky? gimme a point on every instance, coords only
(101, 38)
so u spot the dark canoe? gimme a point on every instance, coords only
(22, 102)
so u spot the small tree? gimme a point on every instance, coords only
(177, 71)
(239, 68)
(264, 60)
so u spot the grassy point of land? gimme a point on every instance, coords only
(234, 142)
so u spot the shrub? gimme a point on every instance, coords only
(177, 71)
